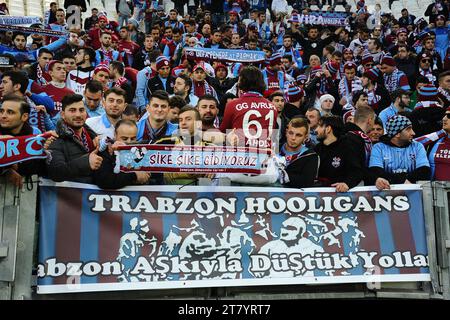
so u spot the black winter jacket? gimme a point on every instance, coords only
(357, 146)
(339, 163)
(69, 160)
(105, 177)
(155, 83)
(303, 171)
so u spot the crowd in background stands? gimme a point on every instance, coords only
(365, 102)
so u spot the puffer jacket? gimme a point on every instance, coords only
(69, 160)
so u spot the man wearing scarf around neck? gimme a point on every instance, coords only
(74, 155)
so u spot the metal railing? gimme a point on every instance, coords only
(17, 240)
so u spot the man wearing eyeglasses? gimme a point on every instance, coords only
(438, 146)
(429, 46)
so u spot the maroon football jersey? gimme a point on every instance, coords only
(254, 119)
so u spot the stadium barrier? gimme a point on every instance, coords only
(18, 247)
(17, 240)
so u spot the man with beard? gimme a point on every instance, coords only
(173, 45)
(374, 46)
(313, 116)
(290, 68)
(106, 54)
(77, 79)
(221, 82)
(208, 108)
(339, 166)
(400, 103)
(114, 103)
(402, 39)
(349, 84)
(173, 20)
(142, 57)
(424, 65)
(59, 25)
(127, 47)
(288, 49)
(393, 78)
(429, 47)
(183, 88)
(279, 101)
(397, 159)
(50, 15)
(73, 43)
(378, 96)
(74, 155)
(406, 62)
(92, 20)
(314, 44)
(93, 93)
(95, 33)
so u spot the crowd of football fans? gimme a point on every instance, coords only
(365, 102)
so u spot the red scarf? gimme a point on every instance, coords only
(28, 147)
(120, 82)
(84, 138)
